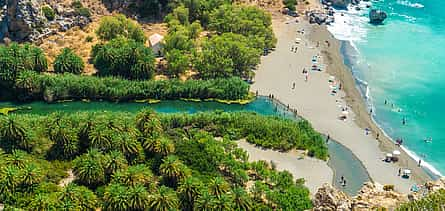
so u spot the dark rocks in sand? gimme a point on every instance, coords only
(377, 16)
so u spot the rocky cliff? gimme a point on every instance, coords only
(370, 197)
(25, 20)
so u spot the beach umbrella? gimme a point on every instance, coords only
(345, 112)
(389, 155)
(407, 171)
(396, 152)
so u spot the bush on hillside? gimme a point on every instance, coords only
(68, 62)
(48, 12)
(125, 58)
(112, 27)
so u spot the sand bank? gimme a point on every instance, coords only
(314, 171)
(314, 101)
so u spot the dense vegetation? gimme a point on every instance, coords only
(147, 162)
(238, 37)
(16, 58)
(434, 201)
(34, 86)
(125, 58)
(68, 62)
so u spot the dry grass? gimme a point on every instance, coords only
(75, 38)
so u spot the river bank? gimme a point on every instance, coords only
(280, 74)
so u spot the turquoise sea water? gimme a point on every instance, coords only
(402, 62)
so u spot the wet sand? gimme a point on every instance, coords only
(314, 101)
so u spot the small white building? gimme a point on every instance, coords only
(155, 42)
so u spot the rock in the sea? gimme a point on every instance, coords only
(377, 16)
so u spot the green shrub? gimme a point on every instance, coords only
(89, 39)
(68, 62)
(115, 26)
(125, 58)
(16, 58)
(48, 12)
(290, 4)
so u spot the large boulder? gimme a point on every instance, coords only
(328, 198)
(339, 4)
(377, 16)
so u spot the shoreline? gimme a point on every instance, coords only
(355, 99)
(275, 76)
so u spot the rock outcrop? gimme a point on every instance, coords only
(328, 198)
(377, 16)
(370, 197)
(24, 20)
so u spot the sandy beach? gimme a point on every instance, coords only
(314, 171)
(314, 101)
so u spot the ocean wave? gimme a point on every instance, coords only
(350, 25)
(409, 4)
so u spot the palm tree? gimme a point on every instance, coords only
(80, 196)
(89, 169)
(114, 161)
(224, 202)
(164, 199)
(138, 198)
(13, 134)
(173, 170)
(18, 158)
(148, 123)
(31, 175)
(159, 145)
(205, 202)
(100, 138)
(241, 199)
(164, 147)
(126, 144)
(134, 175)
(189, 190)
(116, 198)
(218, 186)
(10, 179)
(65, 140)
(43, 201)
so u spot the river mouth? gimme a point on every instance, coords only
(342, 160)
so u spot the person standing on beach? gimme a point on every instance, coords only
(420, 162)
(293, 85)
(400, 172)
(328, 138)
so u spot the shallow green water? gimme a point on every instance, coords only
(342, 160)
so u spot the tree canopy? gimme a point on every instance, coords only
(125, 58)
(147, 161)
(112, 27)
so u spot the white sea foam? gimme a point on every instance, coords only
(350, 24)
(410, 4)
